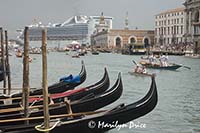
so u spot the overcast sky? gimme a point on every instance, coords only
(15, 14)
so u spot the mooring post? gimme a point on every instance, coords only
(26, 87)
(3, 61)
(7, 63)
(44, 79)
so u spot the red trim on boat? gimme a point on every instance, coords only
(58, 95)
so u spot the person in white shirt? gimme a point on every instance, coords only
(164, 61)
(152, 59)
(144, 70)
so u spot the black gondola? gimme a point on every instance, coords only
(57, 87)
(96, 88)
(1, 72)
(1, 75)
(89, 103)
(77, 123)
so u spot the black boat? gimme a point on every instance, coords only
(171, 66)
(55, 88)
(93, 122)
(95, 52)
(1, 75)
(88, 103)
(2, 72)
(72, 95)
(95, 89)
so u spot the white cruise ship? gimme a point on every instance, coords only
(77, 28)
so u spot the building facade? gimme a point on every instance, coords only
(105, 37)
(170, 27)
(192, 9)
(103, 25)
(119, 38)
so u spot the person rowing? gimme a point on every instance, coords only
(163, 61)
(144, 70)
(152, 59)
(140, 69)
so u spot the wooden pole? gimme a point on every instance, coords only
(26, 86)
(3, 61)
(55, 116)
(44, 79)
(8, 64)
(68, 105)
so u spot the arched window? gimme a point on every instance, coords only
(146, 42)
(118, 42)
(132, 40)
(196, 17)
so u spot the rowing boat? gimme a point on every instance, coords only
(140, 74)
(157, 66)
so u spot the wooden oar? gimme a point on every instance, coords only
(54, 116)
(134, 62)
(17, 88)
(41, 96)
(183, 66)
(186, 67)
(32, 107)
(18, 98)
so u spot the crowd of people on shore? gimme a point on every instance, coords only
(181, 47)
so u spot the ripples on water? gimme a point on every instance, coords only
(178, 108)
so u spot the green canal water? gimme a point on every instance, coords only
(178, 108)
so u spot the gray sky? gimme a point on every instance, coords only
(15, 14)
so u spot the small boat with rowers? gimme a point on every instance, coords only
(170, 66)
(139, 70)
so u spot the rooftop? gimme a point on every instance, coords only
(180, 9)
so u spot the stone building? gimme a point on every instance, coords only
(192, 9)
(118, 38)
(105, 37)
(169, 27)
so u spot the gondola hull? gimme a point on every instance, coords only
(91, 103)
(140, 74)
(157, 66)
(96, 123)
(1, 75)
(172, 67)
(55, 88)
(95, 89)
